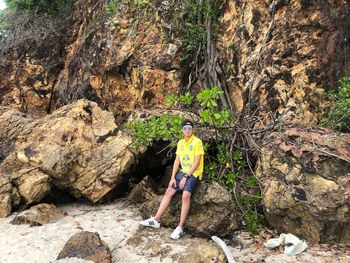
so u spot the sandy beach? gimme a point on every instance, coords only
(42, 244)
(118, 222)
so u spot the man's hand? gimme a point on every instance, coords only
(172, 182)
(182, 183)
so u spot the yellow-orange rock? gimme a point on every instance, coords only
(284, 55)
(306, 179)
(78, 148)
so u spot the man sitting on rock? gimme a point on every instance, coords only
(190, 155)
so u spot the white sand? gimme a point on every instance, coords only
(42, 244)
(116, 223)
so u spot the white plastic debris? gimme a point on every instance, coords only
(226, 250)
(293, 245)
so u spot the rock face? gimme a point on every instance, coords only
(78, 148)
(134, 68)
(5, 197)
(88, 246)
(286, 52)
(13, 124)
(212, 211)
(306, 178)
(116, 60)
(38, 215)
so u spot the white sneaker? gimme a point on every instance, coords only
(177, 233)
(150, 222)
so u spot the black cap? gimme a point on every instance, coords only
(187, 122)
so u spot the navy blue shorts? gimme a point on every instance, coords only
(190, 185)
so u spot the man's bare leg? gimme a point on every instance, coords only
(165, 202)
(186, 197)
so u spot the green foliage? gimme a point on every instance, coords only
(251, 181)
(248, 200)
(253, 221)
(195, 32)
(208, 97)
(229, 179)
(339, 115)
(4, 23)
(210, 114)
(171, 99)
(43, 7)
(194, 39)
(211, 169)
(228, 168)
(186, 99)
(164, 127)
(112, 7)
(231, 165)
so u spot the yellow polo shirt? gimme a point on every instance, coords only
(187, 151)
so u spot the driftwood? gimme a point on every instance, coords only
(226, 250)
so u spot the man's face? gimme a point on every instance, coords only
(187, 130)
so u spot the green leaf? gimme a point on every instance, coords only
(186, 99)
(171, 99)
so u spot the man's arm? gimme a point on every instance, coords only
(176, 167)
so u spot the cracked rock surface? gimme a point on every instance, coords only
(306, 179)
(78, 148)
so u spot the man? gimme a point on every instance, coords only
(190, 155)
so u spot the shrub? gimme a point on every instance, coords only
(338, 116)
(164, 127)
(31, 23)
(19, 29)
(43, 7)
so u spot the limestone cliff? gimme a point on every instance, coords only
(280, 54)
(120, 60)
(287, 53)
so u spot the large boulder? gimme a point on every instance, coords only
(38, 215)
(212, 211)
(149, 243)
(88, 246)
(78, 149)
(306, 179)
